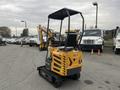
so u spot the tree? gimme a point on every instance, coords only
(24, 33)
(5, 31)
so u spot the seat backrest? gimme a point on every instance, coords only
(71, 40)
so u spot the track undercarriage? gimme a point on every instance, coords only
(54, 79)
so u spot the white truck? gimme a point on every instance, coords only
(34, 41)
(92, 40)
(116, 41)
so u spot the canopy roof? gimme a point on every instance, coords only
(61, 14)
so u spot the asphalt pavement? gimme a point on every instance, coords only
(18, 70)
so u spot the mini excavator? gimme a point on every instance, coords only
(63, 61)
(42, 31)
(53, 36)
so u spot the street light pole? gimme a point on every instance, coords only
(16, 31)
(96, 4)
(25, 24)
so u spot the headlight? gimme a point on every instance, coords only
(99, 41)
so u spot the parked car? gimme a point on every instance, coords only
(27, 40)
(17, 41)
(2, 41)
(7, 40)
(92, 39)
(21, 39)
(116, 40)
(12, 40)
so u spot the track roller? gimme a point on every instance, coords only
(53, 78)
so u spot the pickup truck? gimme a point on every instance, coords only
(34, 41)
(116, 42)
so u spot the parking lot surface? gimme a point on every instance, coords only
(18, 70)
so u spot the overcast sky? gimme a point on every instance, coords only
(36, 11)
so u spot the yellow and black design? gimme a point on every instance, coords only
(63, 61)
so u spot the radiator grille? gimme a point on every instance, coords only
(88, 41)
